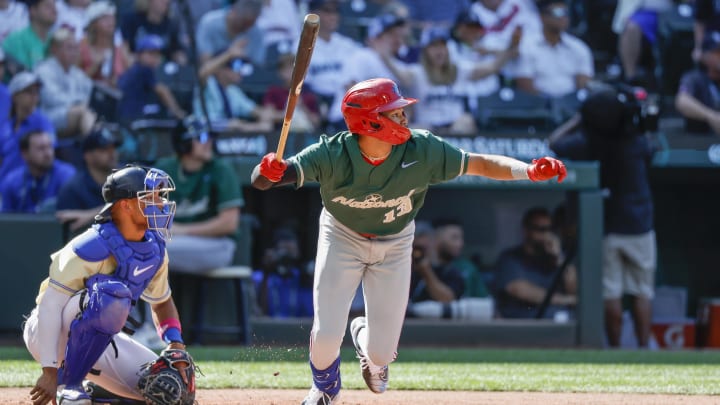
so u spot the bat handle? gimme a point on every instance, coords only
(281, 142)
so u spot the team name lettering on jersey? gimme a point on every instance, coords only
(401, 205)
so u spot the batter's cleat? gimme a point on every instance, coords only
(73, 395)
(376, 377)
(317, 397)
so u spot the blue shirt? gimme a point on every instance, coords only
(80, 192)
(23, 193)
(213, 37)
(624, 172)
(138, 88)
(10, 140)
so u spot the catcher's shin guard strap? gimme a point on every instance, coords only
(328, 380)
(105, 314)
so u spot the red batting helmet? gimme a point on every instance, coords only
(363, 103)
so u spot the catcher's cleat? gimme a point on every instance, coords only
(376, 377)
(101, 396)
(73, 395)
(317, 397)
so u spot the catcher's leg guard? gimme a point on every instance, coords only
(328, 380)
(105, 314)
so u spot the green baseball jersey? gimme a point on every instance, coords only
(202, 194)
(383, 199)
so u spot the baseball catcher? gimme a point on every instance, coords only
(76, 330)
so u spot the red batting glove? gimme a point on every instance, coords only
(271, 168)
(546, 168)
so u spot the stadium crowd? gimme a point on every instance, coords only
(76, 75)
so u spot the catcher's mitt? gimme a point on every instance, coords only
(161, 382)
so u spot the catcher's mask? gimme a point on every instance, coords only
(152, 189)
(363, 103)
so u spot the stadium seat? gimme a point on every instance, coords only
(510, 109)
(675, 43)
(181, 81)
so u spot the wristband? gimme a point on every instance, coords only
(519, 171)
(170, 330)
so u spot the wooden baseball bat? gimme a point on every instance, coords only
(300, 67)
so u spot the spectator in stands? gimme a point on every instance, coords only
(553, 63)
(707, 19)
(71, 15)
(33, 187)
(432, 13)
(143, 95)
(280, 22)
(698, 98)
(225, 101)
(218, 29)
(13, 17)
(449, 245)
(4, 96)
(442, 86)
(28, 46)
(101, 57)
(638, 24)
(607, 130)
(465, 47)
(24, 117)
(386, 35)
(285, 282)
(524, 273)
(80, 199)
(208, 196)
(306, 116)
(501, 19)
(66, 89)
(324, 77)
(355, 16)
(153, 17)
(433, 277)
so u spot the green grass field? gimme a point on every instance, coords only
(668, 372)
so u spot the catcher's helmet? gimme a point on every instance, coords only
(363, 103)
(150, 186)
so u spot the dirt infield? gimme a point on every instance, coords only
(357, 397)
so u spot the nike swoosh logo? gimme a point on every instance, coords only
(138, 272)
(404, 165)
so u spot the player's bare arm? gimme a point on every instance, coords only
(500, 167)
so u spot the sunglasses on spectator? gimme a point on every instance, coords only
(557, 12)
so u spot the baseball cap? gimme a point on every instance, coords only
(99, 139)
(711, 41)
(149, 42)
(432, 35)
(22, 81)
(98, 9)
(323, 5)
(383, 23)
(469, 18)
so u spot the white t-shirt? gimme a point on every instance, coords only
(500, 24)
(279, 21)
(554, 68)
(13, 18)
(462, 54)
(439, 104)
(325, 75)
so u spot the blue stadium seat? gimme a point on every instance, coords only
(511, 109)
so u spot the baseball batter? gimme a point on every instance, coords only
(373, 180)
(74, 332)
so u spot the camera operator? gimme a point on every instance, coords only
(612, 127)
(285, 281)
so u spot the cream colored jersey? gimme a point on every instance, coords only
(68, 273)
